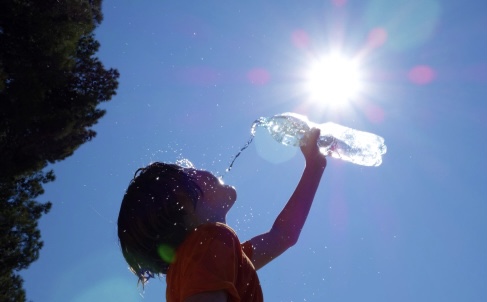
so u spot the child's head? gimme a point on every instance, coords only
(151, 222)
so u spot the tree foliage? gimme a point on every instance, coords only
(51, 84)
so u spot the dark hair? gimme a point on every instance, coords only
(151, 219)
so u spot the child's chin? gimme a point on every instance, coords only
(231, 194)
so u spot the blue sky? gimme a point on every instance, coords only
(195, 75)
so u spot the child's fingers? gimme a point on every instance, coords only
(311, 150)
(312, 136)
(315, 134)
(311, 139)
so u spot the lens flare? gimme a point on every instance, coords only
(166, 253)
(421, 75)
(300, 38)
(258, 76)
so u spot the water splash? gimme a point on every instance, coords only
(255, 124)
(185, 163)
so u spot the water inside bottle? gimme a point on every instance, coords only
(358, 147)
(288, 129)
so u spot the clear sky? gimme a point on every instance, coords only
(196, 74)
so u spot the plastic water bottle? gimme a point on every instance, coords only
(358, 147)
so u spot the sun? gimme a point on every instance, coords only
(333, 80)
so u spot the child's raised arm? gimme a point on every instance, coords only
(289, 223)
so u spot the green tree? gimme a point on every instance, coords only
(51, 84)
(20, 242)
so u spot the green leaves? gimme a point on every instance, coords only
(51, 84)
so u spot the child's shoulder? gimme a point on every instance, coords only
(217, 229)
(211, 232)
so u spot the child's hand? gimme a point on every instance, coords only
(310, 148)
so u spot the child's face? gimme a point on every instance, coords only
(217, 198)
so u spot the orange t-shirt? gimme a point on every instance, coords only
(212, 259)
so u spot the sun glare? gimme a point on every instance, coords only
(334, 80)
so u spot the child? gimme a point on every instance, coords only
(172, 221)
